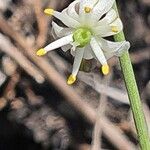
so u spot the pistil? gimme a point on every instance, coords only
(82, 36)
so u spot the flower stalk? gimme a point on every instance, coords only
(133, 95)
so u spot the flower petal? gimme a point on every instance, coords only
(86, 4)
(109, 30)
(72, 10)
(63, 17)
(56, 29)
(113, 48)
(72, 52)
(85, 12)
(102, 7)
(88, 53)
(60, 31)
(60, 42)
(98, 51)
(109, 18)
(66, 47)
(77, 60)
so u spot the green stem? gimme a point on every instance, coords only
(133, 95)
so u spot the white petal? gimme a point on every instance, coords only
(77, 60)
(60, 42)
(72, 10)
(72, 52)
(109, 18)
(86, 3)
(60, 31)
(88, 53)
(118, 24)
(113, 48)
(53, 34)
(66, 47)
(98, 51)
(106, 30)
(102, 7)
(56, 29)
(66, 19)
(85, 18)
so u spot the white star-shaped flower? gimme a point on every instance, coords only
(88, 23)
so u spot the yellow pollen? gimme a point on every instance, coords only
(87, 9)
(71, 79)
(41, 52)
(49, 11)
(105, 69)
(114, 28)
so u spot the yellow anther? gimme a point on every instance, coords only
(41, 52)
(105, 69)
(114, 29)
(71, 79)
(49, 11)
(87, 9)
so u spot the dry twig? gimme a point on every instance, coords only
(12, 51)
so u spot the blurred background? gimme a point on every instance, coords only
(38, 111)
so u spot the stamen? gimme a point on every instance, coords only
(87, 9)
(105, 69)
(114, 28)
(71, 79)
(41, 52)
(49, 11)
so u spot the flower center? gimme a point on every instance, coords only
(82, 36)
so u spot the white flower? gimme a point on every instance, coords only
(88, 23)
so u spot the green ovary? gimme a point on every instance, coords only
(82, 36)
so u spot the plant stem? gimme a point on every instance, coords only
(133, 95)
